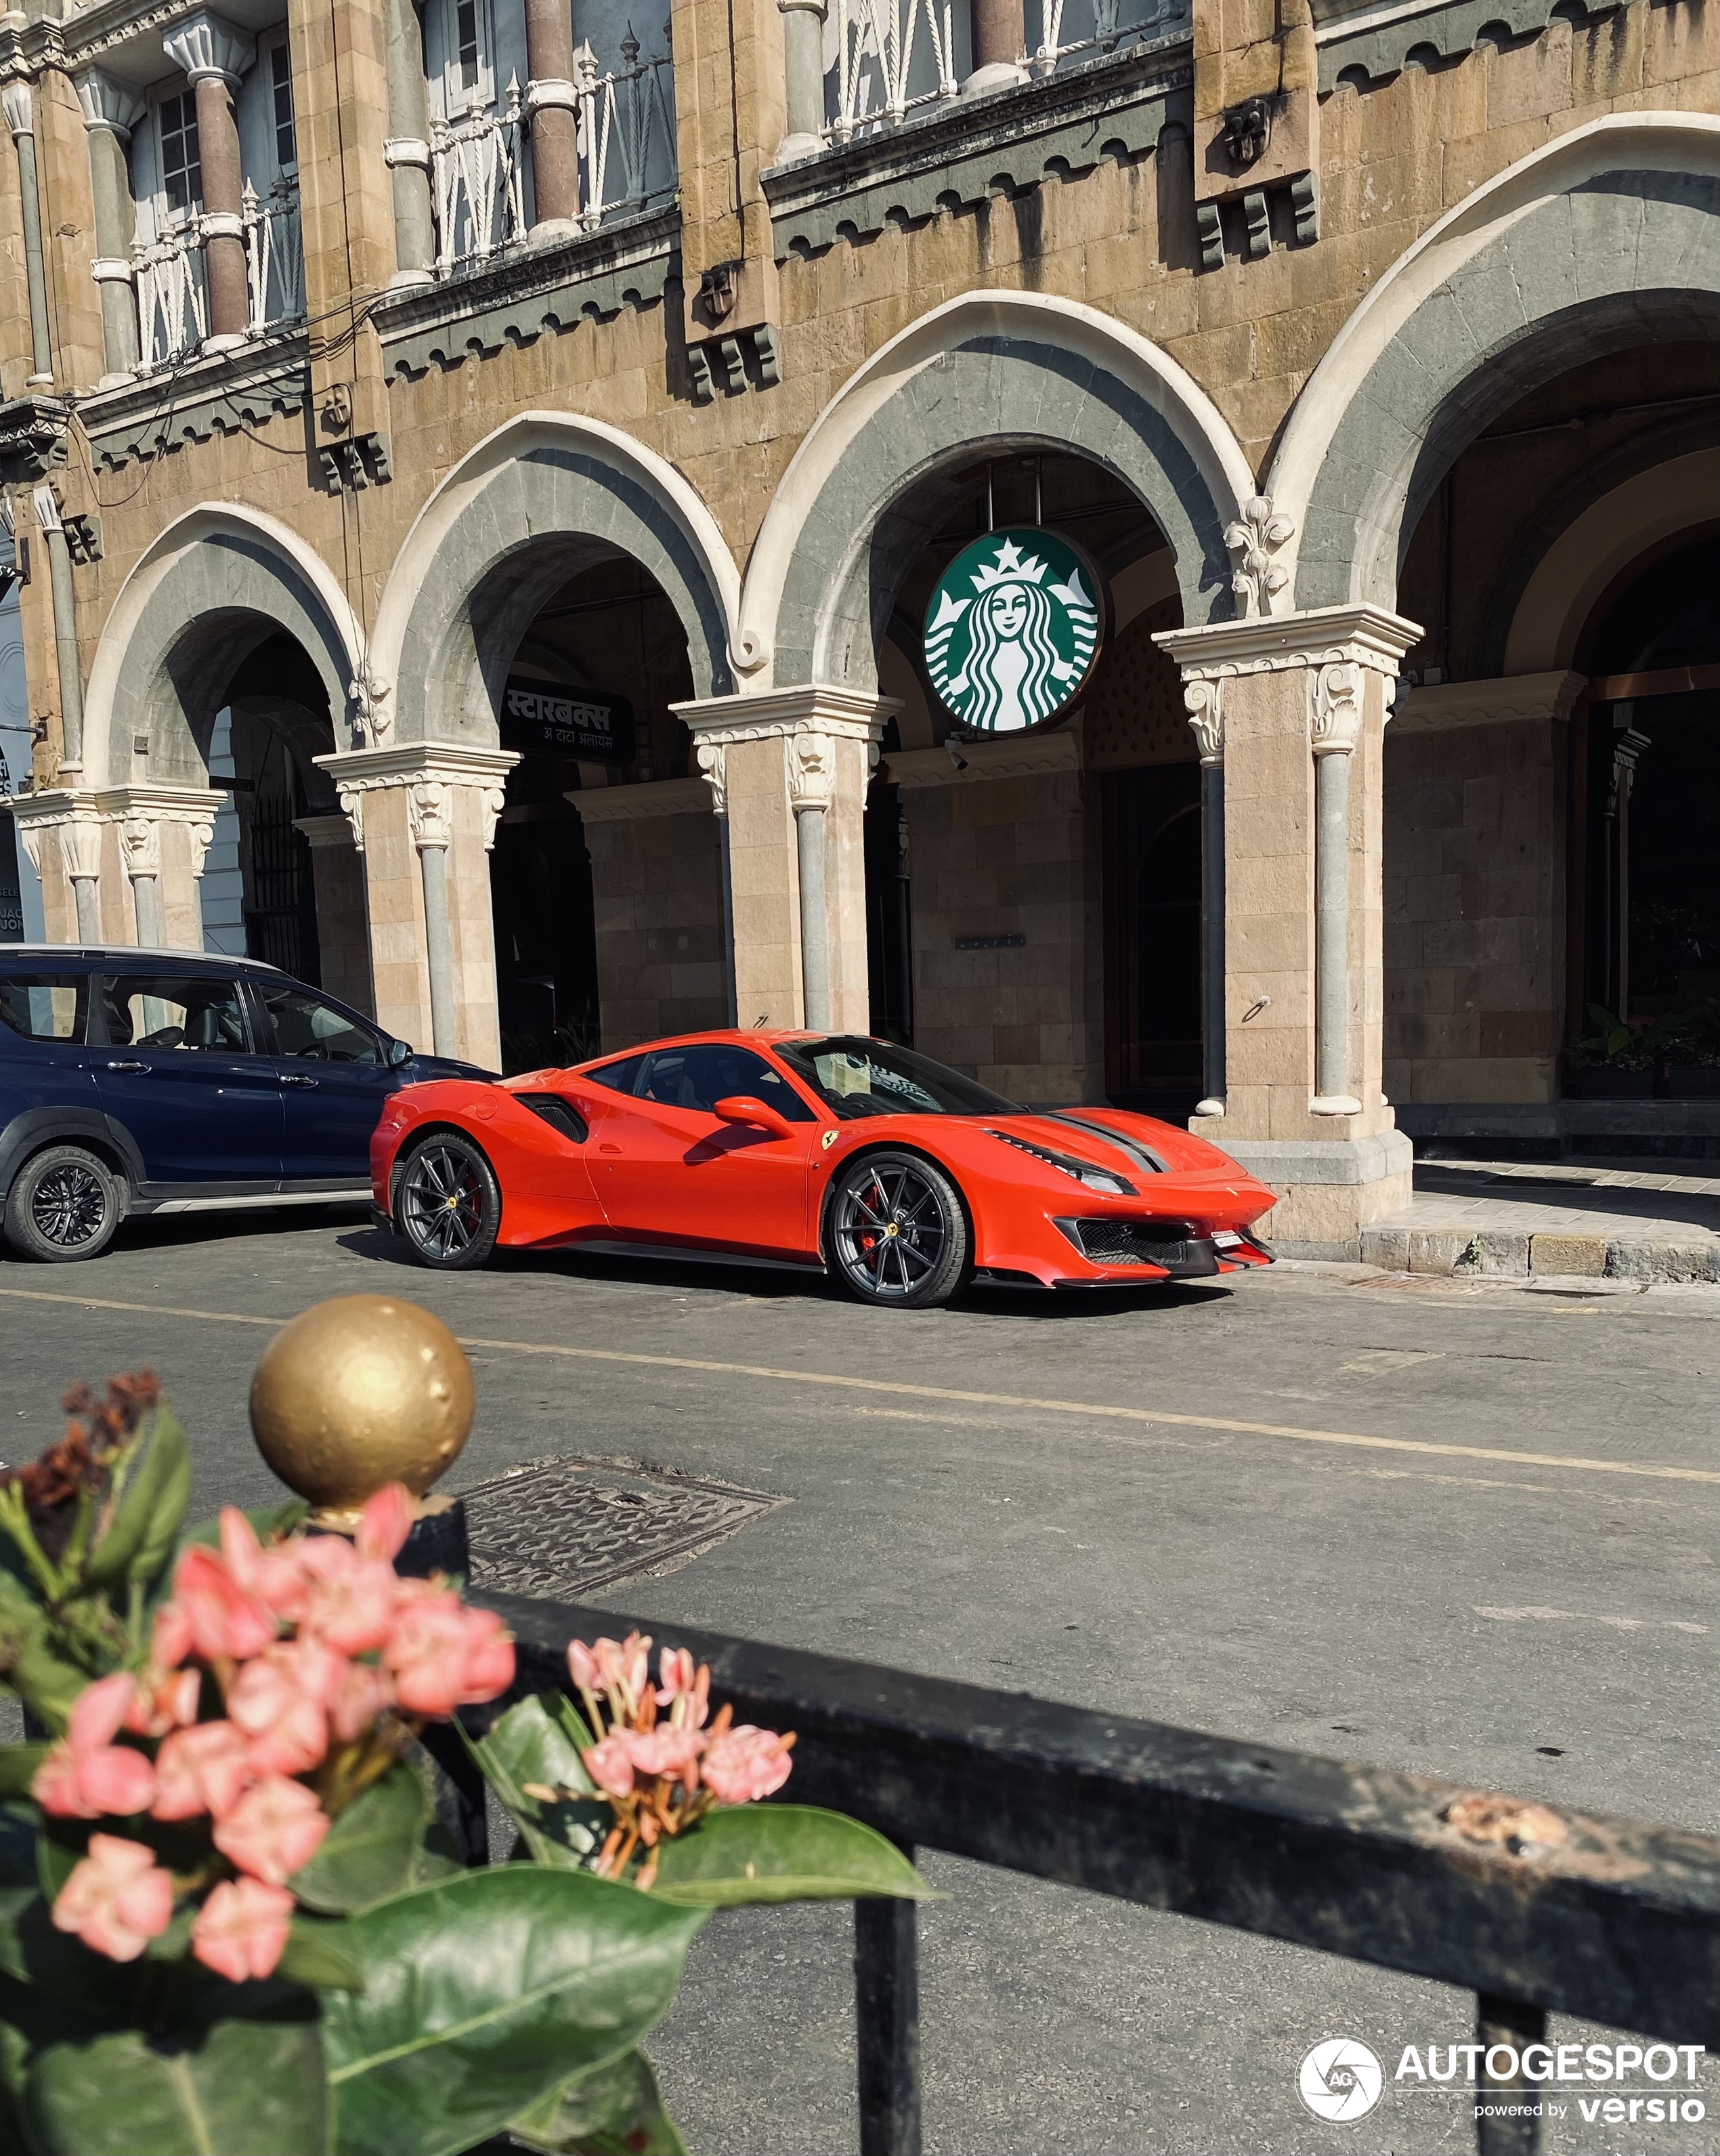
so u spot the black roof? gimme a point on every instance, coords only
(60, 954)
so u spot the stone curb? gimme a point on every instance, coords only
(1503, 1254)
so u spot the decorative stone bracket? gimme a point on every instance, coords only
(349, 466)
(1256, 148)
(750, 359)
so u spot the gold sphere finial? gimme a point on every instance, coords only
(358, 1392)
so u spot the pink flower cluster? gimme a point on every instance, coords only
(307, 1643)
(662, 1776)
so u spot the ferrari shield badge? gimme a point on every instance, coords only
(1011, 629)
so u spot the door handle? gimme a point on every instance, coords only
(128, 1066)
(292, 1078)
(609, 1148)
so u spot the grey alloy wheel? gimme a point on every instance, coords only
(448, 1203)
(64, 1205)
(898, 1234)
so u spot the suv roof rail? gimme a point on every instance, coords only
(63, 951)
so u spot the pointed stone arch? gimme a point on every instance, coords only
(1608, 237)
(989, 373)
(536, 501)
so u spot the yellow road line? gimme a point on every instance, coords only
(1089, 1410)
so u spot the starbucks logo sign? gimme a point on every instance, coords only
(1011, 629)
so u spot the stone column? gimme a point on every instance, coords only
(1303, 701)
(1204, 701)
(1000, 43)
(784, 753)
(803, 72)
(408, 149)
(712, 763)
(214, 56)
(164, 836)
(110, 112)
(70, 869)
(337, 877)
(551, 105)
(423, 814)
(19, 108)
(46, 504)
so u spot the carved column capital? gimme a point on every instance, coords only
(206, 45)
(1335, 707)
(1204, 702)
(107, 103)
(812, 769)
(714, 768)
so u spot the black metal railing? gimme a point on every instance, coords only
(1535, 1909)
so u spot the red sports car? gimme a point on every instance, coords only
(831, 1153)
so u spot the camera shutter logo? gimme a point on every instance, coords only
(1340, 2079)
(1011, 629)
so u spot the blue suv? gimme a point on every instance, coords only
(168, 1081)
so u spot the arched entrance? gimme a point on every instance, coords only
(560, 589)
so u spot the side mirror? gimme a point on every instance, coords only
(743, 1108)
(400, 1053)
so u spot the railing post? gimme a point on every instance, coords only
(1502, 2024)
(887, 2025)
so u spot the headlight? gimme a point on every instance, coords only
(1083, 1171)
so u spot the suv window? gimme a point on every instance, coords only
(46, 1006)
(175, 1010)
(305, 1025)
(708, 1072)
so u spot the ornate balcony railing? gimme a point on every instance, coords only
(627, 132)
(274, 255)
(173, 291)
(895, 56)
(480, 196)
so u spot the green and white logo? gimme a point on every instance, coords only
(1011, 629)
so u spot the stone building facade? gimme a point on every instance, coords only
(366, 363)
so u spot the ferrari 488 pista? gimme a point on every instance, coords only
(899, 1176)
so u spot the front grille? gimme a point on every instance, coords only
(1136, 1242)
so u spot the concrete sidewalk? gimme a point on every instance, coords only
(1641, 1220)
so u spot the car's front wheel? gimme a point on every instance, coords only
(64, 1203)
(447, 1203)
(897, 1232)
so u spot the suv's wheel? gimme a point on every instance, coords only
(897, 1232)
(65, 1203)
(448, 1203)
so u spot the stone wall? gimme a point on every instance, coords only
(656, 894)
(1009, 857)
(1475, 911)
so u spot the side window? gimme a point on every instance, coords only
(620, 1077)
(175, 1010)
(280, 107)
(305, 1025)
(701, 1075)
(182, 166)
(459, 55)
(46, 1006)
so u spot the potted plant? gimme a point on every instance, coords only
(229, 1918)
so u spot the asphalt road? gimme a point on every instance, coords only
(1469, 1543)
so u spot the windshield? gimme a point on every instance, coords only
(855, 1077)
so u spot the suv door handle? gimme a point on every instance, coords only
(128, 1066)
(292, 1078)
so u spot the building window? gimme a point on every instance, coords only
(466, 42)
(182, 173)
(280, 83)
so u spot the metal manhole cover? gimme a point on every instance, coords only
(558, 1527)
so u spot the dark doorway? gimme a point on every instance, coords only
(546, 934)
(1651, 769)
(889, 926)
(1152, 911)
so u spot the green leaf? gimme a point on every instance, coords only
(375, 1848)
(485, 1992)
(315, 1953)
(247, 2088)
(46, 1681)
(782, 1853)
(616, 2110)
(539, 1741)
(147, 1523)
(17, 1767)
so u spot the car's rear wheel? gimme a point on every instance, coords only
(447, 1203)
(64, 1203)
(898, 1234)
